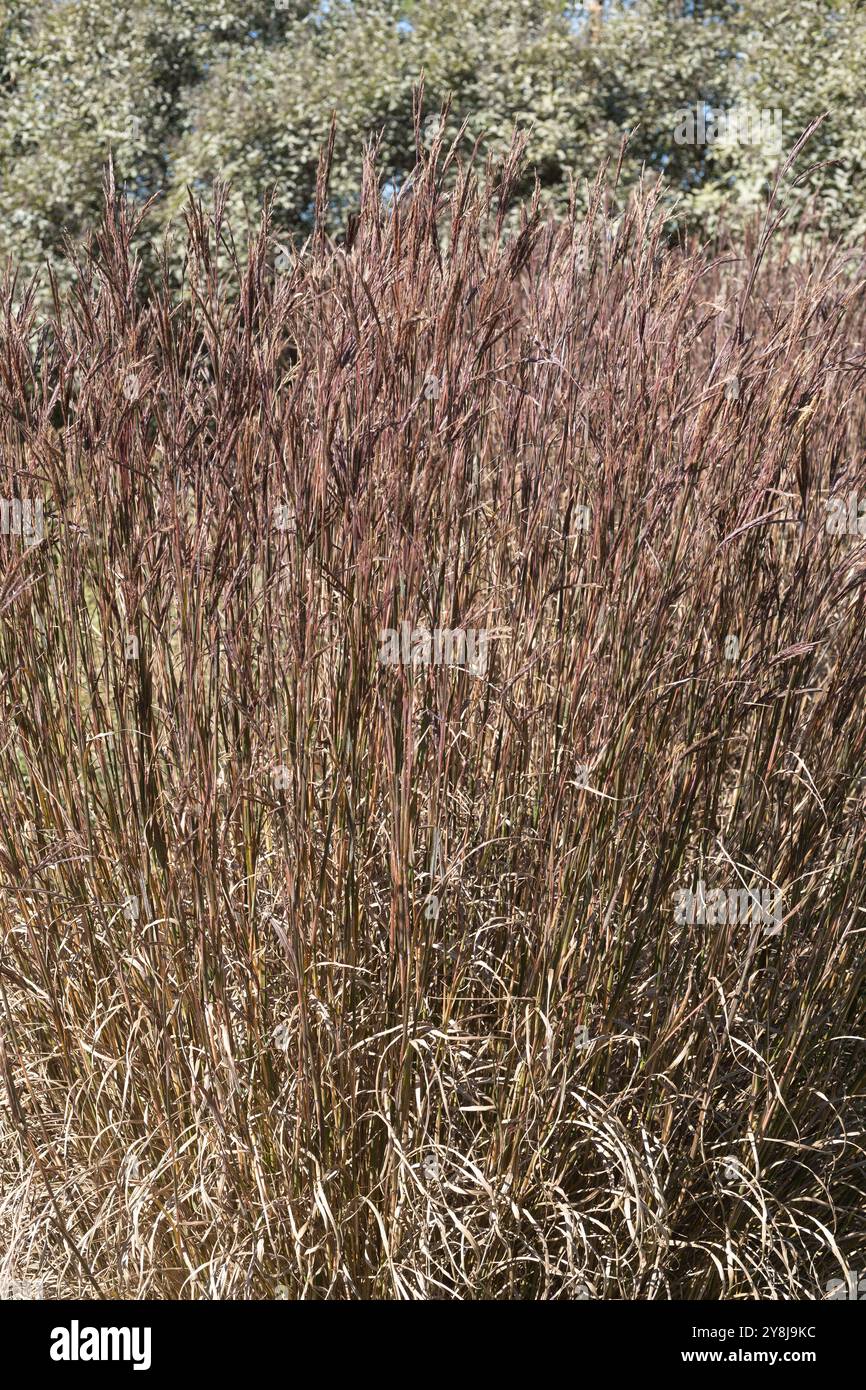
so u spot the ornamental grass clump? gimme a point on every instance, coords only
(329, 976)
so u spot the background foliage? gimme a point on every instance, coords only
(181, 91)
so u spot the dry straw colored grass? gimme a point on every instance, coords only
(289, 1075)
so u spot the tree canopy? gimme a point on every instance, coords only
(183, 91)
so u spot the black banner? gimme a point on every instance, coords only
(160, 1340)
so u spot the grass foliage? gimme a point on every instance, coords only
(286, 1069)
